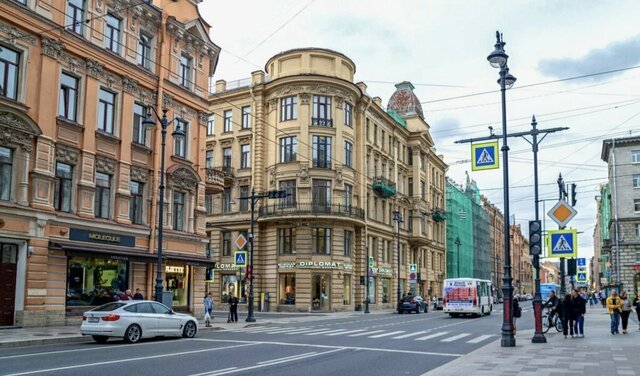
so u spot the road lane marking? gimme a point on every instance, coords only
(410, 334)
(435, 335)
(375, 349)
(102, 347)
(218, 370)
(347, 332)
(366, 333)
(255, 329)
(297, 331)
(480, 339)
(451, 339)
(287, 357)
(282, 330)
(387, 334)
(326, 332)
(128, 360)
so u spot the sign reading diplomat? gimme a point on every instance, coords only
(315, 265)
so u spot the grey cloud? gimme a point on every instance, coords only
(614, 56)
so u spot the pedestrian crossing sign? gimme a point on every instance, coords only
(241, 258)
(562, 243)
(484, 156)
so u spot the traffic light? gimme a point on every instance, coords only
(571, 266)
(535, 238)
(573, 194)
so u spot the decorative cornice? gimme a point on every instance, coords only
(10, 136)
(94, 68)
(51, 47)
(129, 85)
(202, 118)
(14, 34)
(105, 165)
(184, 179)
(139, 174)
(167, 100)
(323, 89)
(66, 154)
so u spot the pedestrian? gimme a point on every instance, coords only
(614, 304)
(208, 310)
(636, 304)
(603, 298)
(517, 313)
(567, 316)
(435, 303)
(233, 309)
(127, 295)
(579, 306)
(138, 295)
(626, 311)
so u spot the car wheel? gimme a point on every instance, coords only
(189, 330)
(100, 339)
(132, 334)
(417, 310)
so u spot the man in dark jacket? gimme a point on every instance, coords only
(233, 309)
(579, 307)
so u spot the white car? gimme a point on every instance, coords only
(136, 319)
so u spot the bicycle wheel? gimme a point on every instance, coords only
(545, 323)
(558, 324)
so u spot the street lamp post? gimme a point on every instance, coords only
(397, 217)
(457, 243)
(498, 59)
(178, 134)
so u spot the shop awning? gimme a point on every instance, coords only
(76, 249)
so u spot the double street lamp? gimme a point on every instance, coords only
(458, 243)
(179, 135)
(397, 217)
(498, 59)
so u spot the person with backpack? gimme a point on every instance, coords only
(208, 309)
(579, 306)
(626, 311)
(614, 304)
(517, 312)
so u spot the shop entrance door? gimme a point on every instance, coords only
(321, 292)
(8, 273)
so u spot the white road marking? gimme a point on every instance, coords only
(347, 332)
(288, 357)
(451, 339)
(283, 330)
(366, 333)
(435, 335)
(219, 370)
(92, 348)
(326, 332)
(480, 339)
(129, 360)
(410, 334)
(297, 331)
(256, 329)
(387, 334)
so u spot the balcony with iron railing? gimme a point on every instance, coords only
(306, 209)
(228, 172)
(384, 187)
(214, 180)
(322, 122)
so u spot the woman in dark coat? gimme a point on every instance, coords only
(566, 311)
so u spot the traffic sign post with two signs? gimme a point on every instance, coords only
(484, 156)
(562, 243)
(562, 213)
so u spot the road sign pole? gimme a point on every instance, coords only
(250, 317)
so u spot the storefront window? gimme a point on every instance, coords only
(346, 289)
(231, 285)
(287, 288)
(321, 294)
(177, 277)
(386, 289)
(372, 290)
(95, 281)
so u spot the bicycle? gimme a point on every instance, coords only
(555, 320)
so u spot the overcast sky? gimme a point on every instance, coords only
(441, 47)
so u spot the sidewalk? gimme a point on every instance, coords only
(18, 337)
(599, 353)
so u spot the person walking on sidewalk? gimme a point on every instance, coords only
(208, 309)
(567, 316)
(626, 311)
(579, 306)
(517, 312)
(614, 304)
(636, 304)
(233, 309)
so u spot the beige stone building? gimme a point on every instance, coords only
(347, 163)
(496, 234)
(550, 272)
(79, 171)
(521, 266)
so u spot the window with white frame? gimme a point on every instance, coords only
(288, 149)
(638, 230)
(180, 143)
(68, 97)
(144, 57)
(288, 108)
(9, 70)
(139, 129)
(636, 181)
(106, 111)
(209, 159)
(348, 154)
(348, 114)
(210, 124)
(322, 111)
(185, 71)
(178, 211)
(112, 33)
(245, 156)
(228, 120)
(635, 156)
(6, 170)
(636, 205)
(103, 195)
(75, 16)
(246, 117)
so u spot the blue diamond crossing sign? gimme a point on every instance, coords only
(484, 156)
(562, 243)
(240, 258)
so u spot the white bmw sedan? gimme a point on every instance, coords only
(136, 319)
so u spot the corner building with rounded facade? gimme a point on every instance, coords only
(347, 164)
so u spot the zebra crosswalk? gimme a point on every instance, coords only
(421, 335)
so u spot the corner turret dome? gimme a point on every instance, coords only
(404, 101)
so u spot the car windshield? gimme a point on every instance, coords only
(109, 307)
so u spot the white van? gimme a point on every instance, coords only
(467, 296)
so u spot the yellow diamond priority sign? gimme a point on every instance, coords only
(562, 213)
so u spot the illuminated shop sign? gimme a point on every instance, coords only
(226, 267)
(101, 237)
(174, 269)
(333, 265)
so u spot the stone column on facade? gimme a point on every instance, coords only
(23, 183)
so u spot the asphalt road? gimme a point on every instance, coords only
(378, 344)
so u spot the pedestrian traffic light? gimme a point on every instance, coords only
(571, 266)
(249, 272)
(573, 194)
(535, 238)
